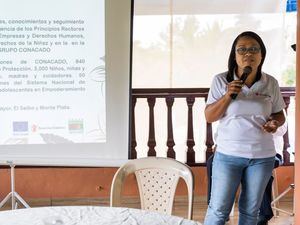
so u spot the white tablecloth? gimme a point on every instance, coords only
(88, 215)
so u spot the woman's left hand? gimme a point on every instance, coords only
(271, 126)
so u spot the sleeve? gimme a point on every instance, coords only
(278, 102)
(217, 89)
(281, 130)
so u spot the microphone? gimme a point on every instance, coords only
(247, 70)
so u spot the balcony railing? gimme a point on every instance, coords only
(170, 95)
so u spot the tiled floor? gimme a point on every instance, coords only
(179, 208)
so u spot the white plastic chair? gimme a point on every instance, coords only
(157, 180)
(276, 197)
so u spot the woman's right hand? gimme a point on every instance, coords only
(234, 87)
(216, 110)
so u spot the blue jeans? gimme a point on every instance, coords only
(227, 173)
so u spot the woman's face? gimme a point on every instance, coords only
(247, 53)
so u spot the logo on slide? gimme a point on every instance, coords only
(20, 127)
(34, 128)
(75, 126)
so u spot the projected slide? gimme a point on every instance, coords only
(52, 72)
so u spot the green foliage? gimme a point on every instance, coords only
(289, 76)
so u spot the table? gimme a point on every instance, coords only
(88, 215)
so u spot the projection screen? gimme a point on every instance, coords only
(64, 82)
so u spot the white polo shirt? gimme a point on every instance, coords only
(240, 131)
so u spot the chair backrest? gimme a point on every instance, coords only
(157, 180)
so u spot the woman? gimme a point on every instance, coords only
(249, 107)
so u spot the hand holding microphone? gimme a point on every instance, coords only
(237, 84)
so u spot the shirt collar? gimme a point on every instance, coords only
(262, 79)
(235, 77)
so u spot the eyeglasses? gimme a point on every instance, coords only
(251, 50)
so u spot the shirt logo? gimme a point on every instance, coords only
(263, 95)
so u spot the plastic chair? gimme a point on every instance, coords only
(157, 180)
(277, 197)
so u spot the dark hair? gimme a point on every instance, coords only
(232, 62)
(293, 47)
